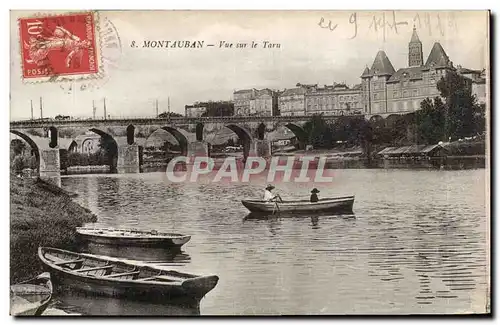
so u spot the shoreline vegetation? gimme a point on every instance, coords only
(41, 214)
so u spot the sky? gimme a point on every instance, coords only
(315, 47)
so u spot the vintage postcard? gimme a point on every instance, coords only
(249, 163)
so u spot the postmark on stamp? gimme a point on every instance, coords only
(59, 45)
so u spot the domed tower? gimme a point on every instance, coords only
(415, 55)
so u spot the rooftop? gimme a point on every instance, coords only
(438, 57)
(413, 149)
(412, 73)
(414, 36)
(293, 91)
(244, 91)
(382, 65)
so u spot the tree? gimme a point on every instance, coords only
(168, 147)
(463, 115)
(18, 164)
(109, 148)
(17, 146)
(319, 133)
(218, 109)
(169, 114)
(430, 121)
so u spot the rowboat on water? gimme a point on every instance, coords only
(131, 237)
(327, 205)
(118, 278)
(31, 298)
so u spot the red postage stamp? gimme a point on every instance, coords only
(62, 45)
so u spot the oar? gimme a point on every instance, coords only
(276, 206)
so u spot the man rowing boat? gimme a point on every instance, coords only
(269, 196)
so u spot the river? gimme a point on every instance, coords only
(418, 243)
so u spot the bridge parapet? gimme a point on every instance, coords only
(162, 121)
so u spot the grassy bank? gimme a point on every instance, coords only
(41, 214)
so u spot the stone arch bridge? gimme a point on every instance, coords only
(191, 134)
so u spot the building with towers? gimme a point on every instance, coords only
(385, 90)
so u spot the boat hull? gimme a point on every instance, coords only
(136, 241)
(132, 290)
(337, 205)
(31, 298)
(185, 288)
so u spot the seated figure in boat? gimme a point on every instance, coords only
(269, 196)
(314, 195)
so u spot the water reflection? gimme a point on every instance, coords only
(314, 222)
(149, 254)
(402, 251)
(81, 303)
(266, 216)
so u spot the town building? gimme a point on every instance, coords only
(337, 99)
(242, 99)
(195, 110)
(253, 102)
(210, 108)
(265, 101)
(478, 78)
(293, 101)
(385, 90)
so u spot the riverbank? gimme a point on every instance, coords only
(41, 214)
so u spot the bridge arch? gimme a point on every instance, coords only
(31, 143)
(300, 134)
(376, 119)
(180, 137)
(245, 137)
(392, 119)
(73, 146)
(110, 147)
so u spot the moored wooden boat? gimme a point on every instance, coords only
(131, 237)
(31, 298)
(327, 205)
(118, 278)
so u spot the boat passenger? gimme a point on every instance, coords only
(314, 195)
(269, 196)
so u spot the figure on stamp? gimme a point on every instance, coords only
(59, 40)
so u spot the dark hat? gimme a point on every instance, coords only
(315, 190)
(269, 187)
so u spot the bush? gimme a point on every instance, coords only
(84, 159)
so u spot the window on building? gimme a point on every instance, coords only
(375, 96)
(405, 93)
(395, 94)
(415, 92)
